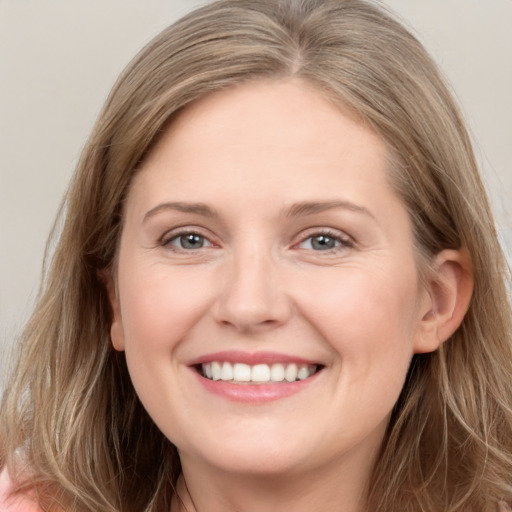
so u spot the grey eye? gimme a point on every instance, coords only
(320, 243)
(189, 241)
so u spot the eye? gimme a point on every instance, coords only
(325, 241)
(188, 241)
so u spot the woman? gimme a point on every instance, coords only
(277, 285)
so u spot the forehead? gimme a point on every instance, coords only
(280, 123)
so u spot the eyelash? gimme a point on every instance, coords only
(342, 241)
(168, 238)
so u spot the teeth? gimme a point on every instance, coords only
(260, 373)
(241, 372)
(277, 373)
(216, 370)
(303, 372)
(290, 373)
(226, 372)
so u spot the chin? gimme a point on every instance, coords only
(265, 456)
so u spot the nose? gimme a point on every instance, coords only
(251, 298)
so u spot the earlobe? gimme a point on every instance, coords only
(116, 326)
(449, 289)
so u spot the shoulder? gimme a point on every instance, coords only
(10, 502)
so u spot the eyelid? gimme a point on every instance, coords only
(175, 233)
(346, 241)
(173, 242)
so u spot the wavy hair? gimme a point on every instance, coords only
(70, 413)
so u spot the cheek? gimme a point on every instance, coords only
(368, 317)
(159, 307)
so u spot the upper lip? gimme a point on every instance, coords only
(250, 358)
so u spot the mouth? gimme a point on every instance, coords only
(242, 373)
(255, 378)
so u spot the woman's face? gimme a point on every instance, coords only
(267, 294)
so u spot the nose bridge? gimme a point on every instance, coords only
(252, 297)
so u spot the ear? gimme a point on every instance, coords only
(116, 327)
(449, 289)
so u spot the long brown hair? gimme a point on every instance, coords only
(70, 413)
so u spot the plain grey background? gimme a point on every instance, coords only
(59, 58)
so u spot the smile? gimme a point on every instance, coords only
(241, 373)
(255, 378)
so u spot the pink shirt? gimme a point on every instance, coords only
(14, 503)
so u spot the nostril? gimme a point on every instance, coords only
(251, 300)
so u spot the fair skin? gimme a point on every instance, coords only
(262, 232)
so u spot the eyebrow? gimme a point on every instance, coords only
(312, 207)
(197, 208)
(296, 210)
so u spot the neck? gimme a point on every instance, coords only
(327, 488)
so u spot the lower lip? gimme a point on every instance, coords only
(255, 393)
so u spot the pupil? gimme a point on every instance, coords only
(322, 242)
(191, 241)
